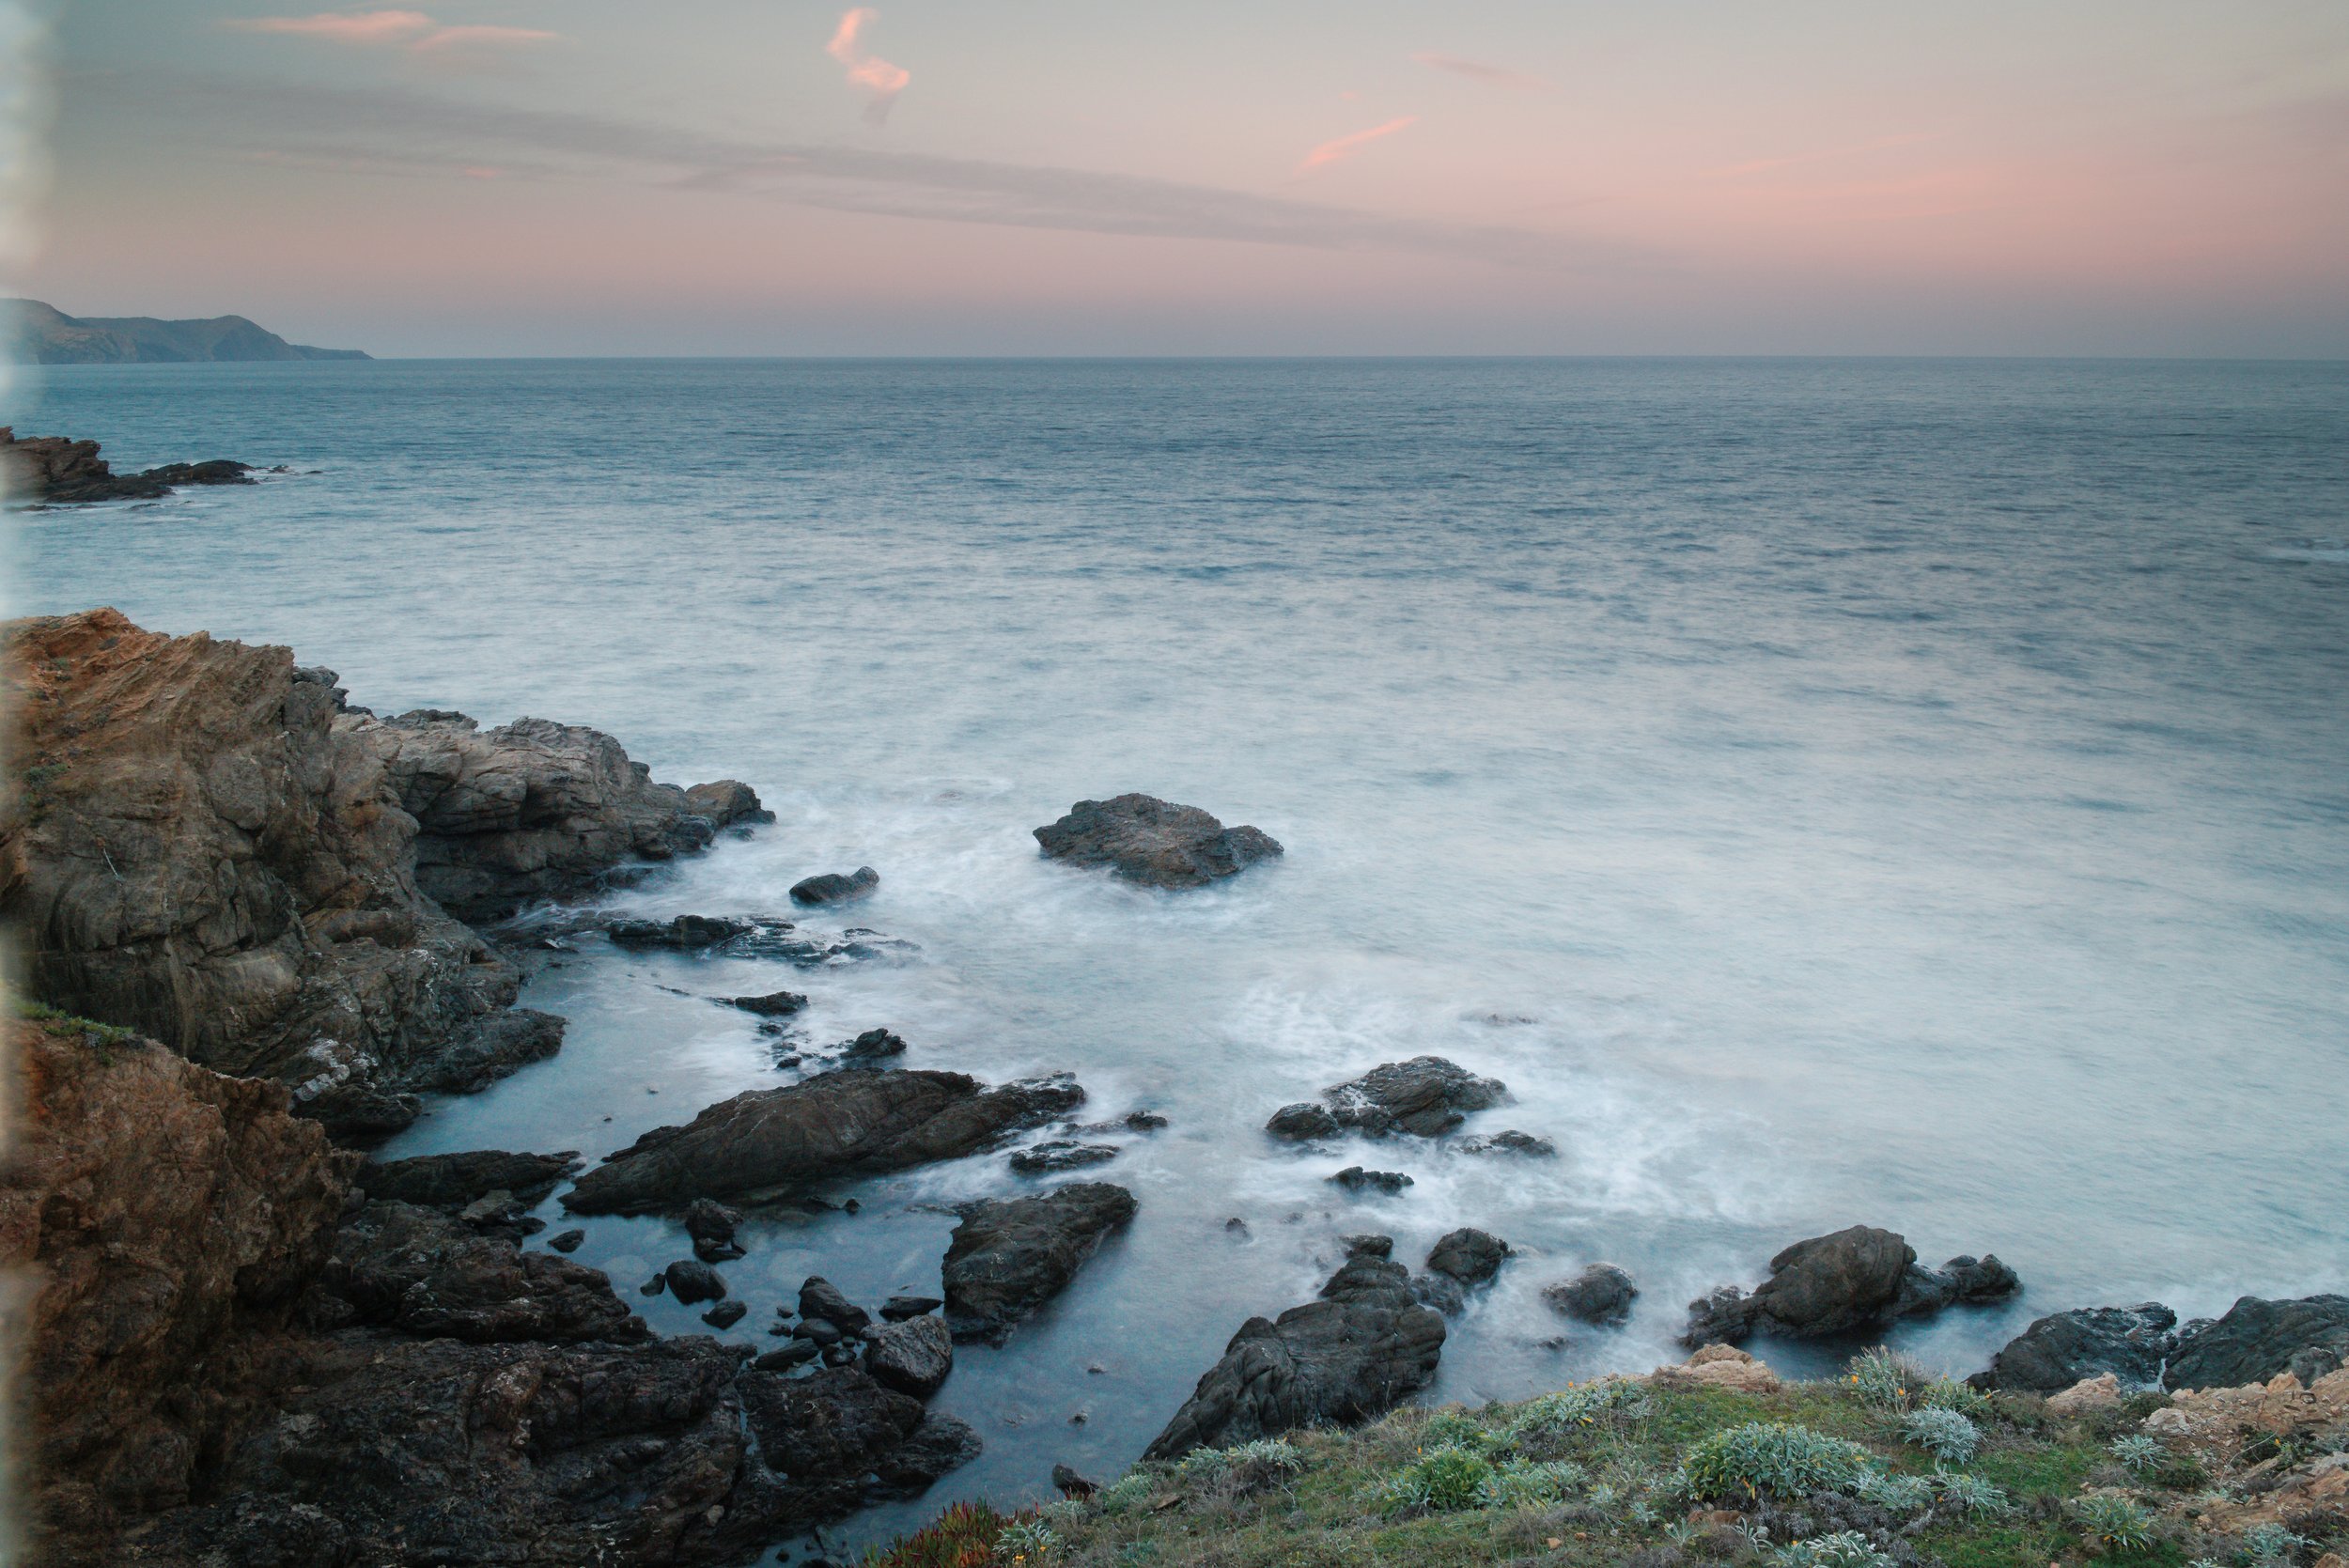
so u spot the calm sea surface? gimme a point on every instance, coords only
(1827, 792)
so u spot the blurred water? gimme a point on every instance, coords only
(1910, 793)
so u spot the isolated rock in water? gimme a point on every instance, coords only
(1720, 1366)
(1509, 1142)
(725, 1314)
(1425, 1097)
(1469, 1255)
(1355, 1179)
(711, 1226)
(775, 1005)
(1303, 1121)
(1355, 1354)
(53, 470)
(874, 1044)
(2258, 1339)
(1061, 1153)
(452, 1181)
(726, 802)
(1367, 1245)
(567, 1241)
(692, 1279)
(1962, 1281)
(1143, 1121)
(913, 1356)
(1010, 1255)
(213, 850)
(1146, 840)
(1069, 1484)
(1855, 1279)
(685, 933)
(771, 1142)
(2058, 1351)
(834, 888)
(824, 1302)
(1602, 1293)
(898, 1308)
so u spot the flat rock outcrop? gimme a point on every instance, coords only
(769, 1142)
(2064, 1348)
(454, 1180)
(1425, 1097)
(1010, 1255)
(1855, 1279)
(55, 471)
(1143, 839)
(427, 1274)
(1355, 1354)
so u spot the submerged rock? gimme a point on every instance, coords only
(683, 934)
(1469, 1255)
(1352, 1356)
(769, 1142)
(1509, 1142)
(2065, 1349)
(834, 888)
(1601, 1293)
(775, 1005)
(2258, 1339)
(1855, 1279)
(1355, 1179)
(1010, 1255)
(1149, 841)
(454, 1180)
(1061, 1153)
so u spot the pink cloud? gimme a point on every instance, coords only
(1345, 146)
(1496, 76)
(457, 38)
(411, 30)
(881, 81)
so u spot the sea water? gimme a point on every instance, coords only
(1902, 793)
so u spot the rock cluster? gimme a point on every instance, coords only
(1425, 1097)
(2145, 1346)
(53, 470)
(1143, 839)
(1857, 1279)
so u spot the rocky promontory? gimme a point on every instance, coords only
(56, 470)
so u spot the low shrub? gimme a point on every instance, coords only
(1944, 1434)
(1885, 1378)
(1576, 1406)
(1970, 1496)
(1844, 1550)
(962, 1537)
(1531, 1484)
(1130, 1491)
(1947, 1393)
(1029, 1541)
(1245, 1467)
(2111, 1523)
(2141, 1456)
(1442, 1481)
(1773, 1457)
(2267, 1546)
(1904, 1495)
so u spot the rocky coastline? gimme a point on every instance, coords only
(57, 471)
(257, 922)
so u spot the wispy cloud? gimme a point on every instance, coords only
(1345, 146)
(1476, 70)
(881, 81)
(421, 134)
(409, 30)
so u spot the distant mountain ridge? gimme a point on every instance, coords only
(35, 333)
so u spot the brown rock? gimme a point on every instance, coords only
(1720, 1366)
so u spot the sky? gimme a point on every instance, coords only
(1370, 176)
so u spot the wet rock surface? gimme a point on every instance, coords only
(1469, 1255)
(769, 1142)
(775, 1005)
(2069, 1347)
(854, 1440)
(1010, 1255)
(1143, 839)
(454, 1180)
(1855, 1279)
(1061, 1153)
(1509, 1142)
(1354, 1178)
(424, 1273)
(1600, 1294)
(1425, 1097)
(690, 1280)
(833, 887)
(2257, 1340)
(57, 471)
(912, 1356)
(1353, 1355)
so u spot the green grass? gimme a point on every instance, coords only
(58, 1022)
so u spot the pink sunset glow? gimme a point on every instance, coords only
(1345, 146)
(881, 81)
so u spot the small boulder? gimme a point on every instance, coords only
(691, 1281)
(711, 1225)
(912, 1356)
(726, 802)
(899, 1308)
(834, 888)
(1143, 1121)
(1601, 1293)
(1469, 1255)
(1367, 1246)
(725, 1314)
(792, 1353)
(1143, 839)
(1070, 1485)
(775, 1005)
(1425, 1097)
(1061, 1153)
(1720, 1366)
(820, 1299)
(1509, 1142)
(2100, 1393)
(874, 1044)
(568, 1241)
(1303, 1121)
(1355, 1179)
(818, 1332)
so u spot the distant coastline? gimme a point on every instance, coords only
(38, 333)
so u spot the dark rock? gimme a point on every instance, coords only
(1367, 1246)
(899, 1308)
(830, 1430)
(685, 934)
(1304, 1120)
(567, 1241)
(1061, 1153)
(452, 1181)
(1962, 1281)
(1149, 841)
(784, 1357)
(1355, 1179)
(1509, 1142)
(725, 1314)
(692, 1279)
(1439, 1293)
(820, 1299)
(1144, 1120)
(820, 1331)
(1855, 1278)
(2055, 1352)
(942, 1443)
(1010, 1255)
(707, 1221)
(1237, 1225)
(1469, 1255)
(422, 1272)
(1352, 1356)
(2258, 1339)
(1425, 1097)
(842, 1354)
(833, 888)
(1602, 1293)
(1070, 1485)
(873, 1046)
(654, 1286)
(726, 802)
(53, 470)
(912, 1356)
(775, 1005)
(769, 1141)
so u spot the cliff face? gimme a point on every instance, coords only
(211, 848)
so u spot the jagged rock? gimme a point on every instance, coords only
(1061, 1153)
(684, 934)
(1304, 1120)
(1854, 1278)
(1425, 1097)
(2258, 1339)
(834, 888)
(692, 1279)
(874, 1044)
(53, 470)
(1143, 1121)
(1355, 1354)
(1509, 1142)
(726, 802)
(1069, 1484)
(2065, 1349)
(725, 1314)
(1355, 1179)
(772, 1141)
(418, 1270)
(899, 1308)
(775, 1005)
(829, 1431)
(1439, 1293)
(1146, 840)
(822, 1301)
(1602, 1294)
(453, 1180)
(710, 1225)
(212, 849)
(913, 1356)
(1469, 1255)
(1010, 1255)
(822, 1332)
(567, 1241)
(1371, 1246)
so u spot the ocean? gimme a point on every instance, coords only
(1827, 792)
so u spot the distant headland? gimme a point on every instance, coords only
(32, 332)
